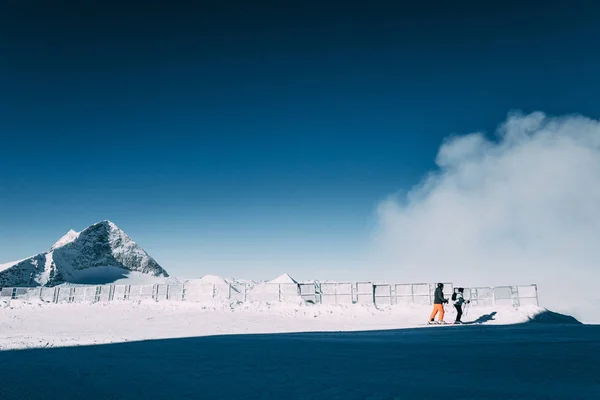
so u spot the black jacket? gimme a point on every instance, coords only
(438, 297)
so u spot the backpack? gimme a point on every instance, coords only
(454, 296)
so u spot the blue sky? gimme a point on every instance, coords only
(251, 141)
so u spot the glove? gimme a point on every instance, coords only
(446, 301)
(468, 301)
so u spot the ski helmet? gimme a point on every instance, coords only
(441, 285)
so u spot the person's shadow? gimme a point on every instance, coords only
(482, 319)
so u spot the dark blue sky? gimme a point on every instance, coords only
(251, 139)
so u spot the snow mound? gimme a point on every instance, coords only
(285, 278)
(67, 238)
(551, 317)
(213, 279)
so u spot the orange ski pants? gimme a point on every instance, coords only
(437, 308)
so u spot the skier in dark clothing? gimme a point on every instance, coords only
(458, 303)
(438, 304)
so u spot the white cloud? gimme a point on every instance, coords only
(524, 208)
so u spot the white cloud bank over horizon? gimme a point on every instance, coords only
(524, 208)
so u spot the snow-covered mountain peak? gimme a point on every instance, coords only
(102, 252)
(67, 238)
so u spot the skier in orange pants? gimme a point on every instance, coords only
(438, 304)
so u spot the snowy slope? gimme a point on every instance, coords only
(32, 324)
(6, 266)
(101, 253)
(68, 238)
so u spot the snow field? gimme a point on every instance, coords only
(36, 324)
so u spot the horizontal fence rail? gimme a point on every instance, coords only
(328, 293)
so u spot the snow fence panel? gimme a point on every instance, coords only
(503, 296)
(404, 290)
(198, 292)
(420, 289)
(5, 296)
(175, 292)
(345, 293)
(161, 292)
(47, 295)
(448, 289)
(104, 293)
(141, 292)
(383, 294)
(289, 292)
(365, 292)
(29, 293)
(120, 292)
(416, 293)
(485, 296)
(402, 294)
(237, 292)
(308, 291)
(89, 293)
(328, 288)
(222, 291)
(63, 294)
(527, 291)
(336, 293)
(528, 295)
(78, 294)
(264, 293)
(19, 293)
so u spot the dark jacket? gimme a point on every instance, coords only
(438, 297)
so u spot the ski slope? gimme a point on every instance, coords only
(28, 325)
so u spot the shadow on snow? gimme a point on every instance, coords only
(525, 361)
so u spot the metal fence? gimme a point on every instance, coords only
(403, 293)
(502, 295)
(381, 294)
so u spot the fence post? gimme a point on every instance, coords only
(374, 291)
(537, 300)
(494, 296)
(430, 294)
(279, 292)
